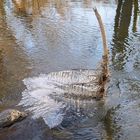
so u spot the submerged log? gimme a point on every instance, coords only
(10, 116)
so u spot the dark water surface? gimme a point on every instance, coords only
(41, 36)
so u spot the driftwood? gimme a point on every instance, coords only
(48, 96)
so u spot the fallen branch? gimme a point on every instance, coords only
(105, 71)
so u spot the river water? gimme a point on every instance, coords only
(42, 36)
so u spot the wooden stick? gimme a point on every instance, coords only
(105, 47)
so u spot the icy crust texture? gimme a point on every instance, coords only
(46, 96)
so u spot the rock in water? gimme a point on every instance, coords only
(10, 116)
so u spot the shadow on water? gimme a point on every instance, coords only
(41, 36)
(125, 73)
(121, 33)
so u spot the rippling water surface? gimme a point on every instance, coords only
(42, 36)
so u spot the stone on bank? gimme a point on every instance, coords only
(10, 116)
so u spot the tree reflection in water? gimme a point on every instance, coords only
(122, 30)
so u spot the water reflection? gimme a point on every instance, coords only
(56, 27)
(41, 36)
(11, 57)
(122, 29)
(125, 55)
(135, 15)
(36, 7)
(53, 35)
